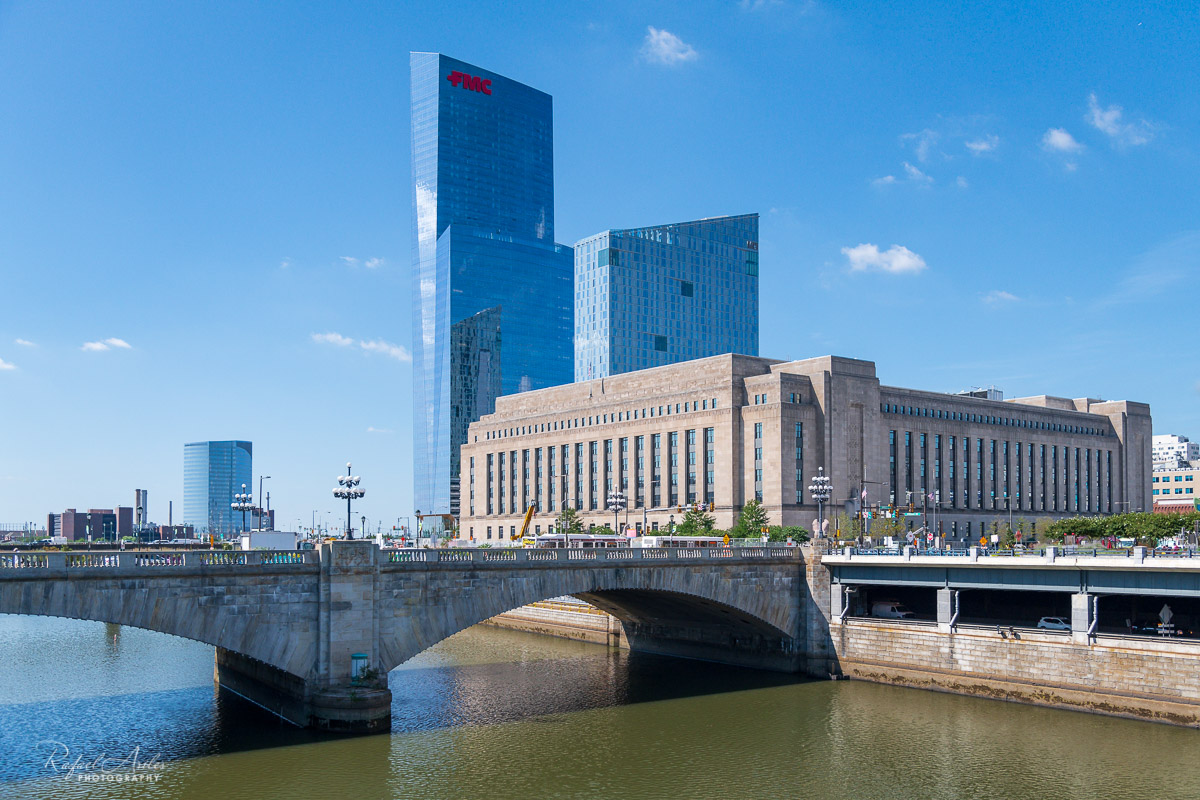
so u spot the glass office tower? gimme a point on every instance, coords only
(645, 297)
(491, 289)
(213, 472)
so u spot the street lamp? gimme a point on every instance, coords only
(821, 490)
(671, 530)
(348, 490)
(616, 501)
(261, 478)
(243, 502)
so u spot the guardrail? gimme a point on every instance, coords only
(1135, 555)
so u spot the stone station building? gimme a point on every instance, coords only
(725, 430)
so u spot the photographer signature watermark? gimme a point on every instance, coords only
(132, 768)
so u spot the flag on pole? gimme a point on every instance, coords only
(864, 494)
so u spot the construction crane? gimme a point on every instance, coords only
(524, 525)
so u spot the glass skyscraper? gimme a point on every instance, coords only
(491, 289)
(213, 472)
(645, 297)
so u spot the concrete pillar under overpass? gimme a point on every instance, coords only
(1082, 606)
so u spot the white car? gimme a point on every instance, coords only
(1054, 624)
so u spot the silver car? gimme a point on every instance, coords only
(1054, 624)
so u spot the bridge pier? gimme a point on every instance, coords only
(343, 709)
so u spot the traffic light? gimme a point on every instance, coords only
(712, 506)
(679, 509)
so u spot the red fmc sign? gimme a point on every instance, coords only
(475, 84)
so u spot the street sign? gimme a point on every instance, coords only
(982, 542)
(929, 537)
(910, 537)
(726, 539)
(912, 513)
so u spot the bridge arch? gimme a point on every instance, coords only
(240, 613)
(744, 615)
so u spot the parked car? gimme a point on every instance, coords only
(1054, 624)
(890, 609)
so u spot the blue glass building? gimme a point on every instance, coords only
(491, 289)
(645, 297)
(213, 472)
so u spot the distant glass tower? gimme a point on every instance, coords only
(645, 297)
(491, 289)
(213, 472)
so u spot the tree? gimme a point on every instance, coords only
(570, 521)
(880, 528)
(696, 523)
(753, 519)
(780, 533)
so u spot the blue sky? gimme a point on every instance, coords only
(205, 209)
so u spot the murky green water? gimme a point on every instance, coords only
(496, 714)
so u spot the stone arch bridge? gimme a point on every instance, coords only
(286, 624)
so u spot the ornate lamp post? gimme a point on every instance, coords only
(616, 502)
(243, 502)
(821, 490)
(348, 490)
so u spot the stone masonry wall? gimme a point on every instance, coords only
(1148, 680)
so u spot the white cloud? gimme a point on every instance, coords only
(915, 175)
(373, 429)
(332, 338)
(287, 262)
(664, 47)
(24, 343)
(983, 146)
(961, 182)
(374, 346)
(922, 142)
(4, 365)
(390, 350)
(1000, 296)
(107, 344)
(759, 5)
(1059, 141)
(372, 263)
(1109, 122)
(886, 180)
(897, 260)
(351, 260)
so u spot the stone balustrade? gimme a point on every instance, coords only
(97, 560)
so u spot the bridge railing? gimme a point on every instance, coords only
(113, 559)
(97, 560)
(623, 554)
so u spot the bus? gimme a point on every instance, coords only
(578, 540)
(679, 541)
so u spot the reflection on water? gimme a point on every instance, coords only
(494, 714)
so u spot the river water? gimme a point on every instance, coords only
(87, 708)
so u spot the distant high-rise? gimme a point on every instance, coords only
(213, 472)
(491, 289)
(645, 297)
